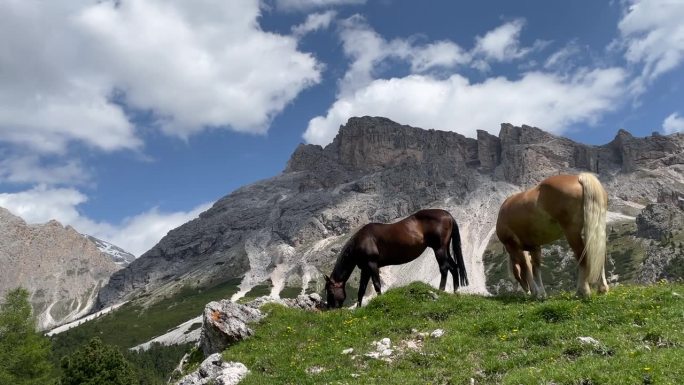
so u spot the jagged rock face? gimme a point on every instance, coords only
(659, 220)
(61, 268)
(290, 228)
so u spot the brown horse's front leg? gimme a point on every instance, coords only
(363, 283)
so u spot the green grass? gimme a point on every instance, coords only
(494, 340)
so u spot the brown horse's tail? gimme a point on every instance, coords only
(594, 231)
(458, 254)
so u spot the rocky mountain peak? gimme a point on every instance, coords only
(61, 269)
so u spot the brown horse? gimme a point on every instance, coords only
(570, 205)
(377, 245)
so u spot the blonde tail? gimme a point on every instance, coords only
(594, 231)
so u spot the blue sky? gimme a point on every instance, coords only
(125, 119)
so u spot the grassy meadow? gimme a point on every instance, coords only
(638, 333)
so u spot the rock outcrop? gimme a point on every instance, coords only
(62, 270)
(289, 228)
(224, 323)
(215, 371)
(659, 220)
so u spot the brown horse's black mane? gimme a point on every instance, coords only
(344, 265)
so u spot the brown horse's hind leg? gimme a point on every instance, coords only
(363, 283)
(442, 259)
(574, 237)
(375, 275)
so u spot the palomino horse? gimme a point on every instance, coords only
(377, 245)
(570, 205)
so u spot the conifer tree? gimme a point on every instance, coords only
(97, 363)
(24, 353)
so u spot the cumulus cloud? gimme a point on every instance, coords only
(29, 169)
(673, 123)
(366, 49)
(314, 22)
(653, 36)
(304, 5)
(456, 104)
(198, 65)
(549, 100)
(139, 233)
(445, 54)
(136, 234)
(563, 59)
(41, 204)
(503, 43)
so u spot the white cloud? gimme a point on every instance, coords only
(548, 100)
(454, 104)
(139, 233)
(303, 5)
(314, 22)
(673, 123)
(136, 234)
(366, 49)
(29, 169)
(41, 204)
(198, 65)
(503, 43)
(653, 35)
(444, 54)
(563, 58)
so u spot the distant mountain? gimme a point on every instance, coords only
(120, 256)
(62, 270)
(285, 231)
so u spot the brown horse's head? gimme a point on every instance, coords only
(335, 292)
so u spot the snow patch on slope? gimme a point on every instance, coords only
(79, 321)
(120, 256)
(179, 335)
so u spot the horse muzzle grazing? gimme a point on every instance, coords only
(335, 293)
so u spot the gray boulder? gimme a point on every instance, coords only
(215, 371)
(224, 323)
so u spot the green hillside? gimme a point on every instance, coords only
(491, 340)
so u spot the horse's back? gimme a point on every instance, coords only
(534, 217)
(561, 196)
(405, 240)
